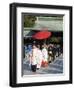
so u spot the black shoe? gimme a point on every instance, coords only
(37, 68)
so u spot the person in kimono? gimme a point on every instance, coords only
(34, 59)
(45, 55)
(39, 57)
(30, 54)
(50, 53)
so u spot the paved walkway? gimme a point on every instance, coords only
(53, 68)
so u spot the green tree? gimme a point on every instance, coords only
(55, 39)
(29, 20)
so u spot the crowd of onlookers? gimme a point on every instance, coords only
(40, 55)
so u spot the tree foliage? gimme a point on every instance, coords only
(56, 39)
(29, 20)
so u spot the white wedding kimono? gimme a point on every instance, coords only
(39, 58)
(45, 54)
(34, 57)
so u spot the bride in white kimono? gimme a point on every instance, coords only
(45, 56)
(39, 57)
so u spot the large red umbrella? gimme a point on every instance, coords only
(42, 35)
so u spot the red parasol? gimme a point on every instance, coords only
(42, 35)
